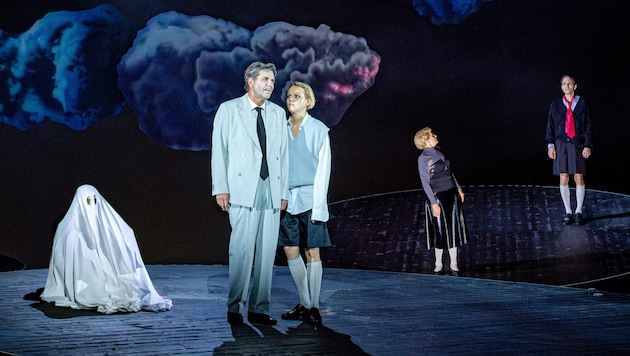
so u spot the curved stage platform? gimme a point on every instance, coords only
(522, 290)
(516, 235)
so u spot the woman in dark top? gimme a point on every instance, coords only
(444, 213)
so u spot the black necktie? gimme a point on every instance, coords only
(260, 128)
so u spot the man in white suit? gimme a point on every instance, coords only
(251, 184)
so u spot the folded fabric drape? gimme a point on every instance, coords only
(96, 262)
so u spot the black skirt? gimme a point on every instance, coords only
(449, 230)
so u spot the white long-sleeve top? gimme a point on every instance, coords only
(309, 169)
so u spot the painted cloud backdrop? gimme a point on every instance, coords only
(180, 68)
(72, 67)
(63, 69)
(451, 12)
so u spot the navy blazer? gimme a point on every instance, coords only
(556, 120)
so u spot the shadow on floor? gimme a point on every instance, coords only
(301, 340)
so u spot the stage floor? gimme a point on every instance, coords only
(523, 290)
(364, 312)
(516, 235)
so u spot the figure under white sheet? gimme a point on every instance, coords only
(96, 262)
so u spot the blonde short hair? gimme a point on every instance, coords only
(421, 137)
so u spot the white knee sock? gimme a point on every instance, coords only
(452, 253)
(580, 192)
(315, 273)
(298, 272)
(565, 193)
(438, 259)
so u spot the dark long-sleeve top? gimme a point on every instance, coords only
(557, 117)
(435, 173)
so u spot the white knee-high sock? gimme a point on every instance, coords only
(452, 253)
(298, 272)
(565, 193)
(438, 259)
(315, 273)
(580, 192)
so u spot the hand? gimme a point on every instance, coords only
(436, 210)
(283, 204)
(551, 152)
(461, 194)
(586, 152)
(223, 200)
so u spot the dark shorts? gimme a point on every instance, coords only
(568, 159)
(298, 230)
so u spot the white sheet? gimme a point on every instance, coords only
(96, 262)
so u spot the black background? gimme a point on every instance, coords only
(484, 86)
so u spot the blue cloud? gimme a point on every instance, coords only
(63, 69)
(180, 68)
(447, 11)
(159, 76)
(69, 68)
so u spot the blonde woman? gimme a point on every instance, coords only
(445, 221)
(303, 226)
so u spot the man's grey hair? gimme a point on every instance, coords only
(255, 68)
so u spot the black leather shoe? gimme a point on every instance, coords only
(313, 317)
(235, 318)
(579, 219)
(258, 318)
(454, 273)
(567, 220)
(297, 313)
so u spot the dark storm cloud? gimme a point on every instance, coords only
(180, 68)
(447, 11)
(67, 68)
(63, 69)
(338, 66)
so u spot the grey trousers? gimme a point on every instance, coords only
(253, 242)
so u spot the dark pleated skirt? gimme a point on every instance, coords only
(449, 230)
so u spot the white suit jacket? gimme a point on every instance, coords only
(236, 155)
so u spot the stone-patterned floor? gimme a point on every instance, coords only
(521, 290)
(516, 233)
(364, 312)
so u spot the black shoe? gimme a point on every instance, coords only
(297, 313)
(313, 317)
(579, 219)
(567, 220)
(235, 318)
(258, 318)
(454, 273)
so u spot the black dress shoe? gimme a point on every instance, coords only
(235, 318)
(313, 317)
(567, 220)
(258, 318)
(297, 313)
(579, 219)
(454, 273)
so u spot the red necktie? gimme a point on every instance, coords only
(569, 125)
